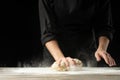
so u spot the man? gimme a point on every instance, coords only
(76, 29)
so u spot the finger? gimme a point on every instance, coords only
(71, 61)
(65, 61)
(59, 62)
(97, 56)
(74, 62)
(112, 61)
(105, 57)
(109, 59)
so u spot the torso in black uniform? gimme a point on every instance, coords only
(73, 19)
(71, 22)
(75, 11)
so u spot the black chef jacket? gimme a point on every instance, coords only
(75, 24)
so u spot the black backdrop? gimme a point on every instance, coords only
(20, 32)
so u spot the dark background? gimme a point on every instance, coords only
(20, 33)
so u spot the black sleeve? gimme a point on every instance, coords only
(103, 19)
(47, 21)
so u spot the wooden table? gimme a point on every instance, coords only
(40, 73)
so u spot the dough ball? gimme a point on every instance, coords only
(76, 67)
(63, 67)
(78, 62)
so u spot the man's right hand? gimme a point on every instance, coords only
(66, 60)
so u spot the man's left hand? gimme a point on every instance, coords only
(106, 56)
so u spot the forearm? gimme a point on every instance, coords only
(54, 49)
(103, 43)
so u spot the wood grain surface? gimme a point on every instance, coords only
(39, 73)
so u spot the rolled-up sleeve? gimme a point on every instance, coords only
(47, 21)
(103, 19)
